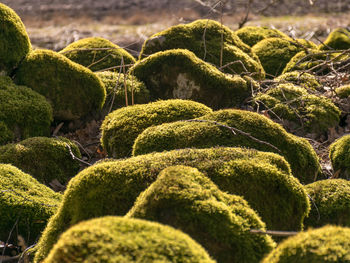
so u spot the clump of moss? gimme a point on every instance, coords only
(44, 158)
(73, 90)
(306, 44)
(116, 239)
(97, 53)
(339, 153)
(186, 199)
(329, 244)
(23, 112)
(204, 133)
(343, 91)
(25, 204)
(331, 203)
(15, 43)
(338, 39)
(121, 127)
(111, 187)
(302, 79)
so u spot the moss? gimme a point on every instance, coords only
(306, 43)
(297, 151)
(25, 201)
(115, 239)
(45, 159)
(121, 127)
(338, 39)
(327, 244)
(191, 37)
(73, 90)
(111, 188)
(15, 43)
(97, 53)
(179, 74)
(302, 79)
(186, 199)
(343, 91)
(23, 112)
(6, 135)
(331, 203)
(339, 153)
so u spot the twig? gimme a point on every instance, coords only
(57, 129)
(245, 19)
(115, 88)
(76, 158)
(274, 233)
(8, 238)
(25, 252)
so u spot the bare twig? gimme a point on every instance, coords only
(57, 129)
(115, 88)
(245, 18)
(274, 233)
(76, 158)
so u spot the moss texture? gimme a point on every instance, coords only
(297, 151)
(25, 201)
(121, 127)
(73, 90)
(44, 158)
(23, 112)
(329, 244)
(15, 43)
(302, 79)
(111, 188)
(332, 199)
(97, 53)
(186, 199)
(115, 239)
(343, 91)
(338, 39)
(306, 44)
(339, 153)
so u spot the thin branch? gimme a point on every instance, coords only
(76, 158)
(8, 238)
(245, 19)
(274, 233)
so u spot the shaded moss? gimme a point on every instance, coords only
(338, 39)
(339, 153)
(97, 53)
(121, 127)
(73, 90)
(5, 134)
(302, 79)
(186, 199)
(343, 91)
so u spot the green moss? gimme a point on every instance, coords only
(331, 203)
(45, 159)
(97, 53)
(339, 153)
(186, 199)
(297, 151)
(179, 74)
(329, 244)
(111, 188)
(6, 135)
(23, 112)
(73, 90)
(306, 43)
(343, 91)
(338, 39)
(115, 239)
(25, 201)
(15, 43)
(302, 79)
(121, 127)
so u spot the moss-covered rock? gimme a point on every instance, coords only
(44, 158)
(186, 199)
(116, 239)
(339, 153)
(328, 244)
(205, 134)
(343, 91)
(14, 41)
(121, 127)
(111, 188)
(306, 44)
(97, 53)
(23, 112)
(73, 90)
(338, 39)
(330, 203)
(302, 79)
(25, 204)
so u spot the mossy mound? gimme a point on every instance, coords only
(302, 79)
(204, 39)
(14, 40)
(23, 112)
(306, 44)
(308, 113)
(186, 199)
(330, 203)
(111, 187)
(338, 39)
(328, 244)
(339, 153)
(343, 91)
(25, 204)
(205, 134)
(73, 90)
(44, 158)
(115, 239)
(97, 54)
(121, 127)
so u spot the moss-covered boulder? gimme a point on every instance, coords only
(186, 199)
(209, 131)
(306, 44)
(121, 127)
(330, 203)
(73, 90)
(343, 91)
(25, 204)
(97, 54)
(302, 79)
(23, 112)
(116, 239)
(111, 187)
(14, 40)
(329, 244)
(338, 39)
(44, 158)
(339, 153)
